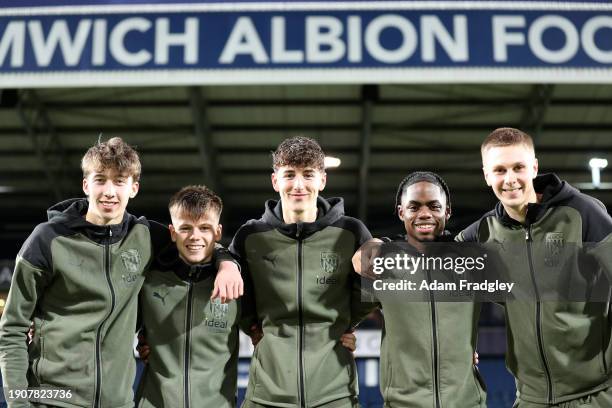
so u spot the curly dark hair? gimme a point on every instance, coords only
(113, 154)
(299, 151)
(417, 177)
(194, 201)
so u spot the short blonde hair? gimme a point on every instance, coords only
(195, 201)
(113, 154)
(506, 136)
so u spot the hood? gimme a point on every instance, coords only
(554, 192)
(71, 214)
(446, 236)
(169, 260)
(329, 211)
(402, 239)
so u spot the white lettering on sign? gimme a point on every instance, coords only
(385, 39)
(244, 40)
(59, 35)
(13, 39)
(280, 53)
(455, 46)
(57, 42)
(589, 30)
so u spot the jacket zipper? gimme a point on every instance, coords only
(301, 393)
(107, 263)
(434, 329)
(529, 240)
(188, 341)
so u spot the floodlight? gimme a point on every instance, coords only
(331, 162)
(596, 165)
(596, 162)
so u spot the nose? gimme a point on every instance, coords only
(298, 183)
(195, 234)
(509, 177)
(424, 213)
(109, 189)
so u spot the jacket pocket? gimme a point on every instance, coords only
(38, 364)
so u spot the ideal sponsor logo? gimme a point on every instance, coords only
(216, 315)
(129, 278)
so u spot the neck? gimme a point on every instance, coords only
(517, 214)
(292, 217)
(203, 261)
(418, 245)
(94, 219)
(520, 214)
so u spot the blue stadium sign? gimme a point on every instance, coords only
(96, 42)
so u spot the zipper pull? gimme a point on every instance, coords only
(110, 232)
(298, 231)
(528, 234)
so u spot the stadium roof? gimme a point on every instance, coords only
(222, 136)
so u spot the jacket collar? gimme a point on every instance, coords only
(71, 213)
(553, 191)
(329, 211)
(169, 260)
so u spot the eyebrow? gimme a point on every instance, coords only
(511, 165)
(427, 203)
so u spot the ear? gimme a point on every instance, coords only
(448, 212)
(86, 187)
(172, 232)
(274, 182)
(400, 212)
(218, 233)
(323, 181)
(485, 173)
(535, 167)
(135, 188)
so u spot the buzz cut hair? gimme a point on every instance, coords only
(506, 136)
(194, 202)
(299, 151)
(114, 154)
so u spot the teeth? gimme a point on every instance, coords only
(425, 226)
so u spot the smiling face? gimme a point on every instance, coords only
(424, 211)
(298, 188)
(108, 192)
(195, 239)
(509, 171)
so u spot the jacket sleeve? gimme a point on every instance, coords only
(221, 254)
(31, 275)
(597, 235)
(248, 312)
(470, 234)
(362, 302)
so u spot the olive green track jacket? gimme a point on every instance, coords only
(305, 295)
(193, 339)
(427, 348)
(557, 350)
(79, 283)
